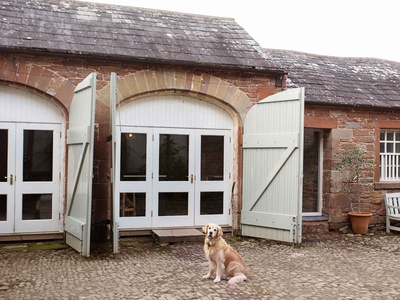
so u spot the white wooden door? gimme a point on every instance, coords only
(213, 177)
(37, 179)
(173, 179)
(30, 182)
(272, 167)
(7, 177)
(133, 177)
(80, 165)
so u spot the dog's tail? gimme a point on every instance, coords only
(240, 277)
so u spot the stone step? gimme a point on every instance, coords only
(163, 236)
(315, 226)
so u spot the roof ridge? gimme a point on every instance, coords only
(349, 58)
(147, 9)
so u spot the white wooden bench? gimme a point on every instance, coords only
(392, 202)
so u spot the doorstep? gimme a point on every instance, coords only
(177, 235)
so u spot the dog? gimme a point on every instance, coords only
(224, 262)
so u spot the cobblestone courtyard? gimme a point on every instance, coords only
(335, 266)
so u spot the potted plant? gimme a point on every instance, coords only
(354, 165)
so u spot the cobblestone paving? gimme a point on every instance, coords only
(329, 267)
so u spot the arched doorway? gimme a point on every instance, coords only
(32, 151)
(174, 159)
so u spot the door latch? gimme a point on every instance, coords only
(11, 179)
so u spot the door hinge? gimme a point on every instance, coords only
(152, 137)
(230, 140)
(151, 213)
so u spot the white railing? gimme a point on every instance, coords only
(390, 167)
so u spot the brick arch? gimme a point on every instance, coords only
(39, 79)
(144, 82)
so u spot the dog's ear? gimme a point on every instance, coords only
(220, 233)
(205, 228)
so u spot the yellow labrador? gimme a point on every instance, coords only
(224, 262)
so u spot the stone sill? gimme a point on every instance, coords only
(387, 185)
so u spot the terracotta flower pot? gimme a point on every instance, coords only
(360, 221)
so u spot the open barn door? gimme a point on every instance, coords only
(80, 165)
(273, 167)
(115, 208)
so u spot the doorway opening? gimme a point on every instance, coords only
(312, 170)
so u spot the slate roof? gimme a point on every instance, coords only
(122, 32)
(342, 81)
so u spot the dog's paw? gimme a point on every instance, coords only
(217, 279)
(207, 276)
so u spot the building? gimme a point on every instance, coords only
(184, 84)
(348, 101)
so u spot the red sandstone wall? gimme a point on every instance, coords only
(343, 127)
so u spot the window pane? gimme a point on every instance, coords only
(382, 135)
(36, 206)
(132, 205)
(173, 204)
(3, 207)
(212, 158)
(173, 160)
(390, 136)
(389, 147)
(211, 203)
(38, 155)
(397, 148)
(3, 154)
(133, 157)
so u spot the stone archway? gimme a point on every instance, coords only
(143, 82)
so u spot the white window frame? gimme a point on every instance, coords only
(389, 165)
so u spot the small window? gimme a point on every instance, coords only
(390, 155)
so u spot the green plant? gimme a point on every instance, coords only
(354, 164)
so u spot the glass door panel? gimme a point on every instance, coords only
(38, 155)
(173, 204)
(212, 158)
(37, 188)
(3, 208)
(37, 206)
(133, 156)
(133, 185)
(211, 203)
(173, 157)
(3, 155)
(132, 205)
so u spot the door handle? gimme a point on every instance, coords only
(11, 179)
(191, 178)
